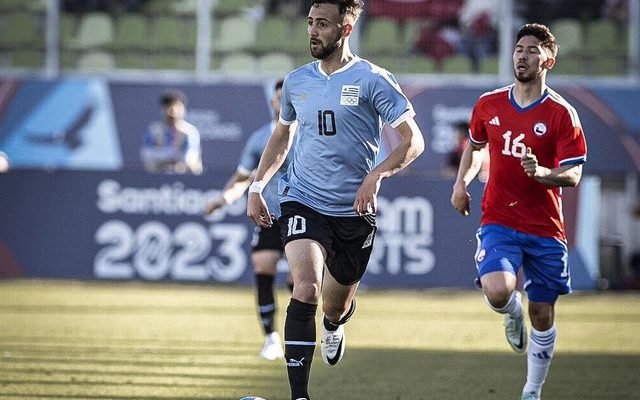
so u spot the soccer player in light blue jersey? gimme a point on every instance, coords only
(267, 247)
(329, 193)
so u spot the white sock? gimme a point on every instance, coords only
(539, 355)
(513, 306)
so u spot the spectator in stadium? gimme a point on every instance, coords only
(329, 195)
(452, 162)
(536, 146)
(172, 145)
(267, 243)
(477, 19)
(4, 162)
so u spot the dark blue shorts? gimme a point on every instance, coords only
(544, 260)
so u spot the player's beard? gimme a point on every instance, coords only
(322, 52)
(528, 76)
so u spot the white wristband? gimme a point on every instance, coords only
(256, 187)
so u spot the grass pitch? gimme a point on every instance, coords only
(98, 340)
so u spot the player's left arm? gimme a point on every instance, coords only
(564, 175)
(410, 147)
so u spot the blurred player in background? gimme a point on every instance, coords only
(329, 194)
(4, 162)
(172, 145)
(267, 242)
(536, 146)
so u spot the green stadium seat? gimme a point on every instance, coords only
(132, 32)
(299, 38)
(158, 7)
(172, 61)
(417, 64)
(602, 36)
(240, 62)
(94, 30)
(490, 65)
(132, 60)
(458, 64)
(570, 65)
(381, 35)
(169, 33)
(96, 61)
(275, 63)
(234, 33)
(225, 8)
(272, 34)
(9, 6)
(185, 7)
(569, 34)
(20, 30)
(27, 58)
(68, 28)
(608, 66)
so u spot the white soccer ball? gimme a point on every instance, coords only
(252, 398)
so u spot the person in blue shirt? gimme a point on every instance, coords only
(267, 247)
(172, 145)
(329, 194)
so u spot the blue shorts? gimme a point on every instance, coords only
(544, 260)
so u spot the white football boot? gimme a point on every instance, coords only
(530, 396)
(332, 345)
(515, 329)
(272, 349)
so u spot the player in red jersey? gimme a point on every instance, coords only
(536, 146)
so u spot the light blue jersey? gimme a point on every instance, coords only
(340, 118)
(250, 158)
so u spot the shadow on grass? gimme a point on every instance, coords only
(404, 374)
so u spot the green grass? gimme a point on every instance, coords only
(100, 340)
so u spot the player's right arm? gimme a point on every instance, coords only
(272, 159)
(470, 165)
(232, 191)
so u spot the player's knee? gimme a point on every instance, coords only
(497, 295)
(307, 292)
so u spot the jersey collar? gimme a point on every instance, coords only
(348, 65)
(515, 105)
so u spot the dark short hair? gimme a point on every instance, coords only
(172, 97)
(542, 33)
(352, 8)
(278, 85)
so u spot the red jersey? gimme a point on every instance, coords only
(551, 127)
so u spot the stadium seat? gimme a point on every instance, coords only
(27, 58)
(608, 66)
(272, 33)
(602, 36)
(299, 38)
(185, 7)
(20, 30)
(275, 63)
(131, 32)
(68, 28)
(489, 65)
(158, 7)
(132, 60)
(9, 6)
(234, 33)
(96, 61)
(170, 33)
(381, 35)
(417, 64)
(458, 64)
(94, 30)
(568, 65)
(172, 61)
(569, 34)
(238, 63)
(225, 8)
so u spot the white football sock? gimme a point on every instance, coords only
(539, 357)
(513, 306)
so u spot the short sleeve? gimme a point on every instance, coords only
(388, 99)
(287, 111)
(571, 146)
(477, 131)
